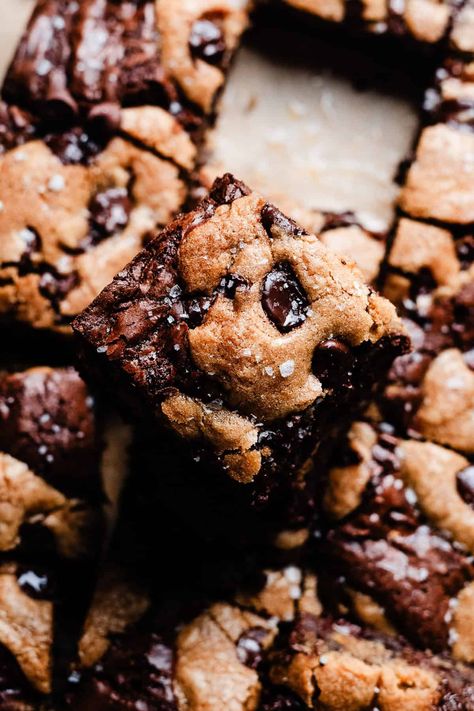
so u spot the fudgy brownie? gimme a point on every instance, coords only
(335, 665)
(399, 539)
(51, 456)
(247, 340)
(26, 636)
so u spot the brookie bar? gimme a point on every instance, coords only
(51, 453)
(245, 338)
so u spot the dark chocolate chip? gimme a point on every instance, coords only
(465, 484)
(272, 217)
(54, 286)
(197, 308)
(231, 283)
(333, 363)
(207, 41)
(465, 250)
(109, 212)
(227, 189)
(283, 298)
(249, 647)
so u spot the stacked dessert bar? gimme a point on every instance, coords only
(297, 531)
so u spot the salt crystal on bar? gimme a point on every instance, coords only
(287, 368)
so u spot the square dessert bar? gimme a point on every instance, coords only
(430, 277)
(398, 547)
(78, 59)
(103, 111)
(51, 457)
(243, 336)
(333, 664)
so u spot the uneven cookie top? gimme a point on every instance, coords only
(67, 227)
(237, 304)
(429, 278)
(334, 664)
(190, 661)
(400, 531)
(427, 21)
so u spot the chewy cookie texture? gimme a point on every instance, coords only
(104, 105)
(268, 646)
(245, 338)
(27, 601)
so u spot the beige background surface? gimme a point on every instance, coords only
(292, 128)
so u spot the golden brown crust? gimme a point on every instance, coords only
(208, 672)
(446, 413)
(440, 182)
(26, 628)
(199, 80)
(343, 305)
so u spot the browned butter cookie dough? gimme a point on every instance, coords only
(246, 339)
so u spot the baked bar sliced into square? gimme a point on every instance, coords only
(246, 338)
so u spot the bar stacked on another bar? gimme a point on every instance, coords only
(105, 104)
(246, 340)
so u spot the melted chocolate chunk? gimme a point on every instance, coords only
(249, 647)
(227, 189)
(109, 212)
(55, 286)
(231, 283)
(465, 250)
(465, 485)
(333, 363)
(207, 41)
(272, 217)
(385, 549)
(74, 146)
(283, 298)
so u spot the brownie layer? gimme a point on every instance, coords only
(51, 452)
